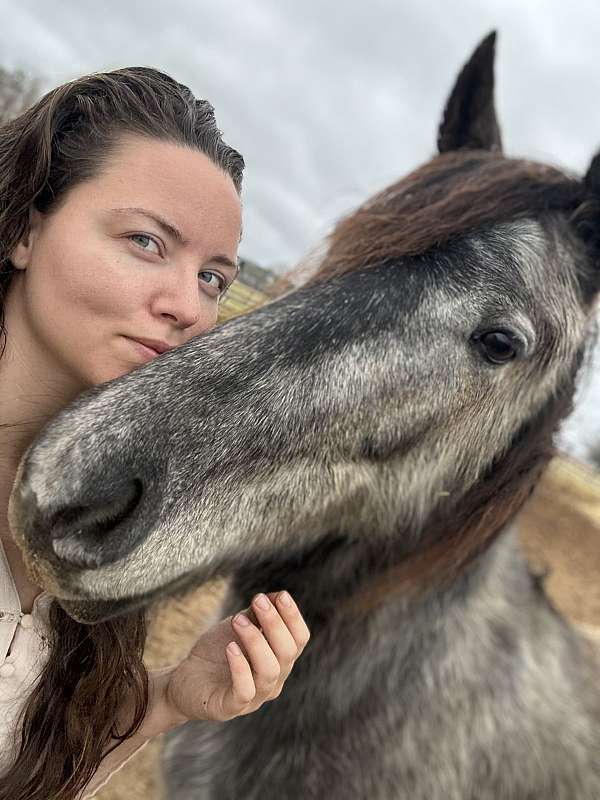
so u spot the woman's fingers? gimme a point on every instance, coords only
(279, 622)
(243, 688)
(263, 661)
(211, 685)
(292, 617)
(273, 649)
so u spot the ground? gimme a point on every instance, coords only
(560, 531)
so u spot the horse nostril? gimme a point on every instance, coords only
(88, 537)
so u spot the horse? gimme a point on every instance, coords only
(366, 441)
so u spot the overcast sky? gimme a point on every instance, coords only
(330, 101)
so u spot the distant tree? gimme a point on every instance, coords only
(17, 92)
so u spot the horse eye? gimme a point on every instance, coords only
(498, 347)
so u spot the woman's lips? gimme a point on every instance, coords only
(147, 353)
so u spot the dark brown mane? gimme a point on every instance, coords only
(452, 194)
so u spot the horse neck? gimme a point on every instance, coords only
(380, 616)
(355, 584)
(493, 601)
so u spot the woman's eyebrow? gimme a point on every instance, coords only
(226, 262)
(163, 223)
(173, 231)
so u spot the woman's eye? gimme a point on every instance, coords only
(214, 280)
(144, 241)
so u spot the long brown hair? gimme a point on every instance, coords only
(69, 721)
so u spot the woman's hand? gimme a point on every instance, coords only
(234, 667)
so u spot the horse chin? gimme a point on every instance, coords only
(89, 611)
(92, 612)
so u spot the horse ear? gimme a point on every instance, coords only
(589, 225)
(469, 120)
(592, 176)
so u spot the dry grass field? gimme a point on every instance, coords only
(560, 532)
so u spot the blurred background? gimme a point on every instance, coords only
(329, 102)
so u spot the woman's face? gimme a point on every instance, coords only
(142, 250)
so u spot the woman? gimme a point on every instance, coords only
(119, 227)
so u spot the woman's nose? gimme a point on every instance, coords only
(183, 303)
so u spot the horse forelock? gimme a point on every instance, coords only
(451, 195)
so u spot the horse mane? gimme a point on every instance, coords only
(451, 195)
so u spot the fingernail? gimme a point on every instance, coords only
(285, 599)
(242, 619)
(262, 601)
(234, 649)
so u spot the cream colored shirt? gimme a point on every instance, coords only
(24, 651)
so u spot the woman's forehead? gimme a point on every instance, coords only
(140, 163)
(177, 184)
